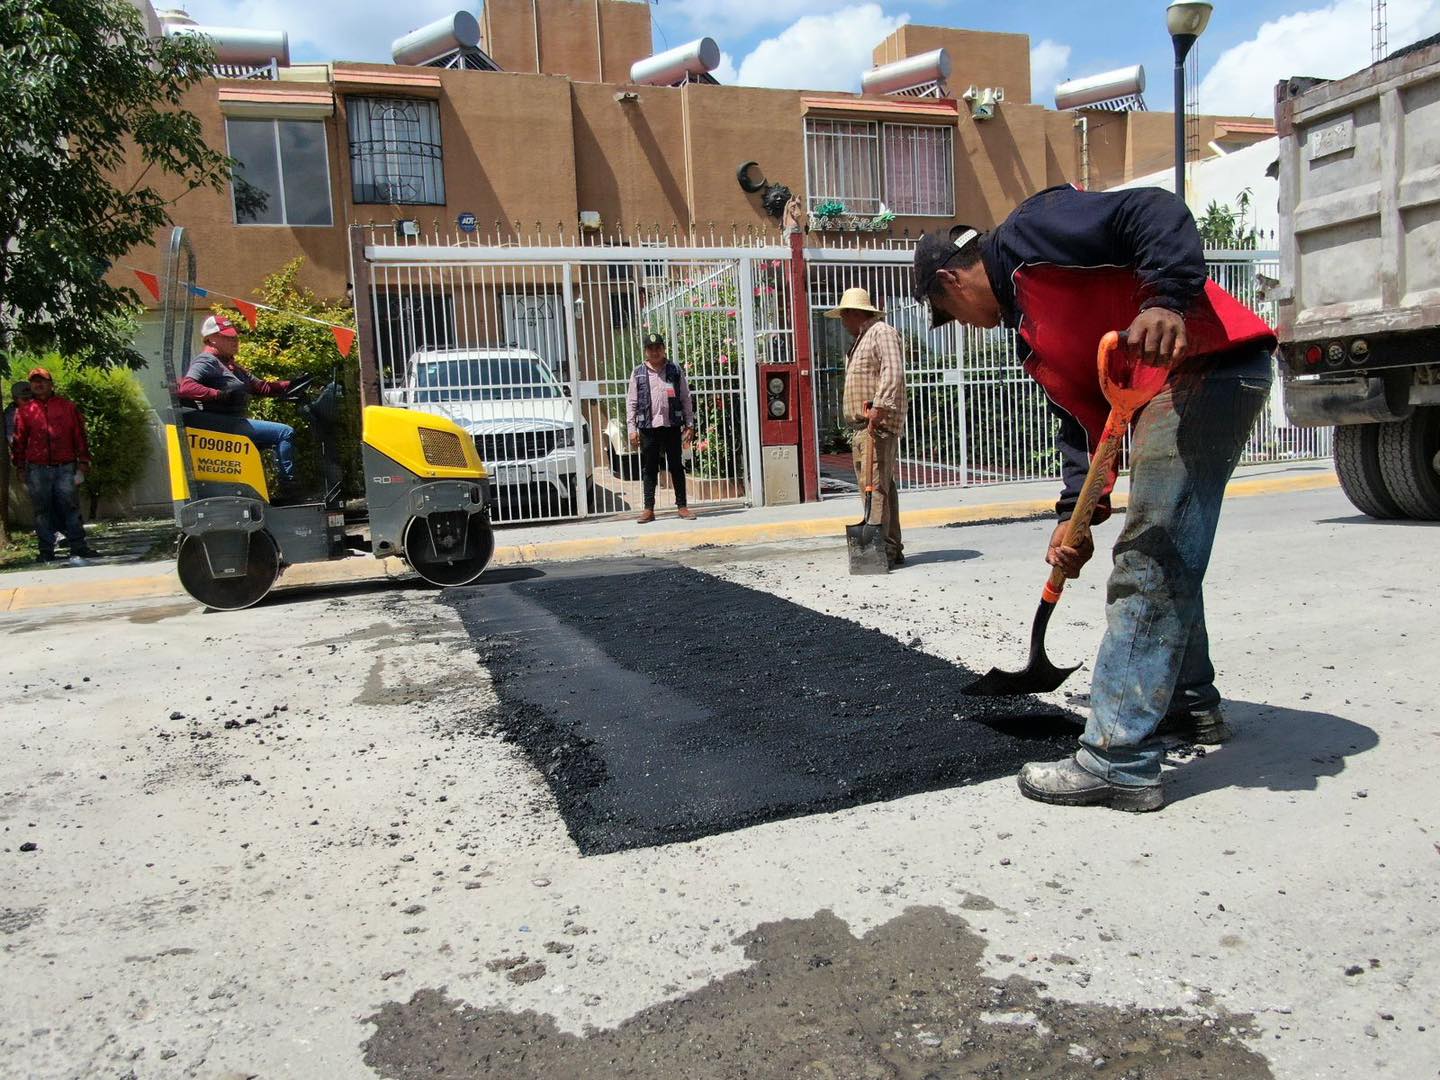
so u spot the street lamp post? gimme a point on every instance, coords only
(1186, 21)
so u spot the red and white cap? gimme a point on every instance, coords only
(218, 324)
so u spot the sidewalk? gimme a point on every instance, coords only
(617, 537)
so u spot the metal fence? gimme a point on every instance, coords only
(532, 348)
(975, 417)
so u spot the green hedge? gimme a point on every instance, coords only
(117, 419)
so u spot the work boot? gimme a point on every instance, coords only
(646, 516)
(686, 513)
(897, 560)
(1202, 727)
(1065, 783)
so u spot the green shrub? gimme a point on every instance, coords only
(117, 419)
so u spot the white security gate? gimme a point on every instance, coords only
(532, 350)
(974, 416)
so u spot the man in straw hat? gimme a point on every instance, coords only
(1062, 270)
(874, 407)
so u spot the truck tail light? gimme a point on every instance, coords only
(1313, 355)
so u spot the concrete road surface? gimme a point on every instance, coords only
(321, 839)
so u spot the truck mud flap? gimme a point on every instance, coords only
(1362, 400)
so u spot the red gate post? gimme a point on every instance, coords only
(804, 396)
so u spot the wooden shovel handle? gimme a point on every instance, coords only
(1095, 480)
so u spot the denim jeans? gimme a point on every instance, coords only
(267, 435)
(1155, 656)
(52, 496)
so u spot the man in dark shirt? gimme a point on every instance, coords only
(19, 394)
(1063, 269)
(217, 384)
(51, 456)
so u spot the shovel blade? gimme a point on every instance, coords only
(866, 547)
(1039, 679)
(1039, 676)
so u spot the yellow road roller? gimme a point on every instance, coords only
(427, 493)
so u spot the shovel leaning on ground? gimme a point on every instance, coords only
(865, 543)
(1128, 384)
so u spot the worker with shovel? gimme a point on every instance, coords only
(1062, 270)
(873, 406)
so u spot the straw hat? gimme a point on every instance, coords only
(856, 299)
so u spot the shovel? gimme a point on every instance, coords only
(1128, 384)
(864, 542)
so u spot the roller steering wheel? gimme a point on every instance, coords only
(296, 386)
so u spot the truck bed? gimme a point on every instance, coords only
(1360, 206)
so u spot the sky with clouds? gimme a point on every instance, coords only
(825, 44)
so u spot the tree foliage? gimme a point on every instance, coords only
(90, 110)
(1229, 227)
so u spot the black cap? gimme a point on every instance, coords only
(932, 254)
(653, 341)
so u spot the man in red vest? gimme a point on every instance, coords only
(51, 457)
(1063, 269)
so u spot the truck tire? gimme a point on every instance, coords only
(1409, 450)
(1357, 463)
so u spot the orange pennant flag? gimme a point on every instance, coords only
(150, 281)
(344, 339)
(249, 311)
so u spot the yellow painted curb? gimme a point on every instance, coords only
(366, 569)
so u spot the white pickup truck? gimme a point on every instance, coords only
(509, 400)
(1359, 289)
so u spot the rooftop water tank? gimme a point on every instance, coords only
(1126, 82)
(913, 71)
(694, 59)
(446, 35)
(237, 46)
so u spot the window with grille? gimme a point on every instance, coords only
(920, 169)
(842, 164)
(908, 167)
(395, 151)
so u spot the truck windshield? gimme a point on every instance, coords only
(474, 378)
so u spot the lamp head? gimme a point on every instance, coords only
(1188, 17)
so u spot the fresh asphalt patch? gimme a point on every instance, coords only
(662, 704)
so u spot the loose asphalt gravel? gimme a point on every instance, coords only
(298, 841)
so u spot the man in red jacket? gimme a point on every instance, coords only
(1063, 269)
(51, 457)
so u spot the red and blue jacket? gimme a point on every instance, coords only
(1068, 266)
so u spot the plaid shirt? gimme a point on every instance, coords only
(875, 372)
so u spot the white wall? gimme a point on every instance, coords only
(1221, 179)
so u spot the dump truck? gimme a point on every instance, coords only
(1358, 297)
